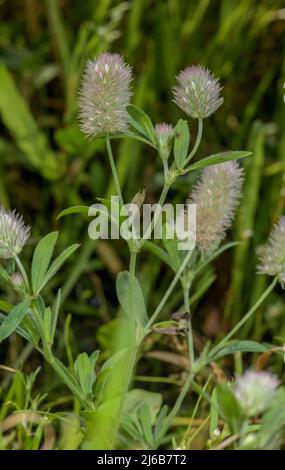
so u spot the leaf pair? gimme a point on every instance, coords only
(84, 368)
(13, 319)
(42, 271)
(141, 123)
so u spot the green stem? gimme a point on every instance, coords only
(114, 170)
(133, 259)
(190, 331)
(23, 272)
(72, 386)
(58, 367)
(197, 142)
(133, 349)
(247, 316)
(168, 292)
(156, 215)
(176, 407)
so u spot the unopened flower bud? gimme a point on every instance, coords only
(164, 136)
(273, 255)
(17, 279)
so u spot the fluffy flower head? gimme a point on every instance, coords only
(273, 256)
(254, 391)
(216, 196)
(104, 95)
(197, 92)
(13, 233)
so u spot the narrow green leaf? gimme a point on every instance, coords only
(240, 346)
(217, 158)
(229, 407)
(4, 274)
(13, 319)
(21, 331)
(160, 420)
(94, 357)
(214, 255)
(156, 250)
(41, 259)
(47, 324)
(174, 255)
(73, 210)
(140, 121)
(131, 135)
(134, 306)
(146, 424)
(55, 312)
(57, 263)
(40, 306)
(214, 415)
(181, 143)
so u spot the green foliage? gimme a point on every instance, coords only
(218, 158)
(48, 168)
(131, 298)
(84, 369)
(141, 123)
(181, 143)
(41, 260)
(13, 319)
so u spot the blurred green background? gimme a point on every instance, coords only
(47, 165)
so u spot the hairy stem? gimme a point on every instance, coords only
(114, 170)
(23, 273)
(167, 422)
(156, 215)
(190, 331)
(168, 292)
(197, 142)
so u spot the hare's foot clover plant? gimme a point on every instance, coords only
(103, 393)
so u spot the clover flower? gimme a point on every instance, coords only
(13, 233)
(254, 391)
(216, 196)
(164, 136)
(273, 256)
(197, 92)
(104, 95)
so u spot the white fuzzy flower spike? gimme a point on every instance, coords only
(255, 390)
(216, 196)
(197, 92)
(273, 256)
(104, 95)
(14, 234)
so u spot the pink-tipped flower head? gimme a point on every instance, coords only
(14, 234)
(255, 391)
(197, 92)
(273, 256)
(104, 95)
(216, 196)
(164, 136)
